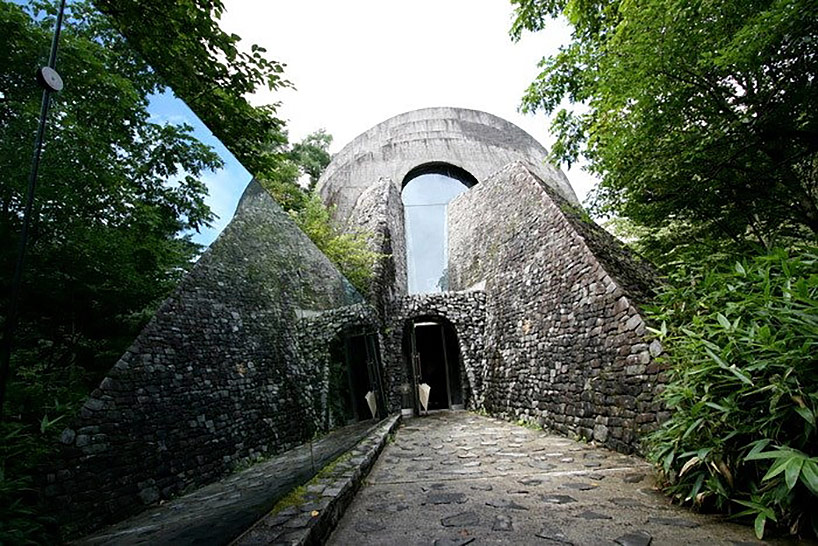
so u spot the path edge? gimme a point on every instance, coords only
(309, 530)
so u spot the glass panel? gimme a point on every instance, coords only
(425, 200)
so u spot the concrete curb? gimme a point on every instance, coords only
(311, 521)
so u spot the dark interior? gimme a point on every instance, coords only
(350, 378)
(436, 345)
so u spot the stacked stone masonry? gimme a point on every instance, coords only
(215, 379)
(566, 347)
(374, 215)
(465, 311)
(544, 305)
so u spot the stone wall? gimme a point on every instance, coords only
(379, 212)
(315, 334)
(565, 346)
(465, 311)
(215, 378)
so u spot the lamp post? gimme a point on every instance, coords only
(50, 81)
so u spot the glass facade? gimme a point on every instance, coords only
(425, 202)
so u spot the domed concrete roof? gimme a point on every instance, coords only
(478, 142)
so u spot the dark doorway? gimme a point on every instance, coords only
(435, 359)
(354, 371)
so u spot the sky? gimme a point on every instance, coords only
(425, 200)
(224, 186)
(357, 63)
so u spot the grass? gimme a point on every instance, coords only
(297, 496)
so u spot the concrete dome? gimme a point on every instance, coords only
(474, 141)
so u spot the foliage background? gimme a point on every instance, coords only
(741, 343)
(700, 119)
(118, 199)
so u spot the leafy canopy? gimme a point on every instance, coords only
(117, 191)
(117, 194)
(701, 113)
(207, 68)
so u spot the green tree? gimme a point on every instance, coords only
(117, 194)
(697, 114)
(208, 69)
(117, 198)
(308, 157)
(312, 155)
(349, 250)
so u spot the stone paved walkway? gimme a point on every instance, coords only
(455, 478)
(219, 512)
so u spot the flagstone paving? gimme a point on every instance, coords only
(455, 478)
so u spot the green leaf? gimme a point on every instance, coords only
(792, 470)
(732, 369)
(760, 521)
(807, 414)
(755, 456)
(723, 321)
(668, 461)
(809, 475)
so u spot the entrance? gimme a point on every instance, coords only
(435, 360)
(354, 371)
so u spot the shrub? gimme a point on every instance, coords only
(349, 251)
(743, 389)
(23, 515)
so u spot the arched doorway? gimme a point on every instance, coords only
(433, 357)
(354, 373)
(427, 191)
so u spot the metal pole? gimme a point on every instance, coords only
(446, 366)
(50, 82)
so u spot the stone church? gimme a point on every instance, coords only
(495, 289)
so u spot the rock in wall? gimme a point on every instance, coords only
(215, 377)
(565, 342)
(379, 213)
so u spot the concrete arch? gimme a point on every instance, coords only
(439, 167)
(477, 142)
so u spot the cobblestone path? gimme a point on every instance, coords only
(456, 478)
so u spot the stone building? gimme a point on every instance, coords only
(496, 291)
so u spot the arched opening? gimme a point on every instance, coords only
(354, 378)
(432, 356)
(427, 191)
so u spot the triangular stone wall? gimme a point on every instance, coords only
(566, 346)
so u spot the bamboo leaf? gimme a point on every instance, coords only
(723, 321)
(807, 414)
(809, 475)
(779, 466)
(792, 470)
(761, 519)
